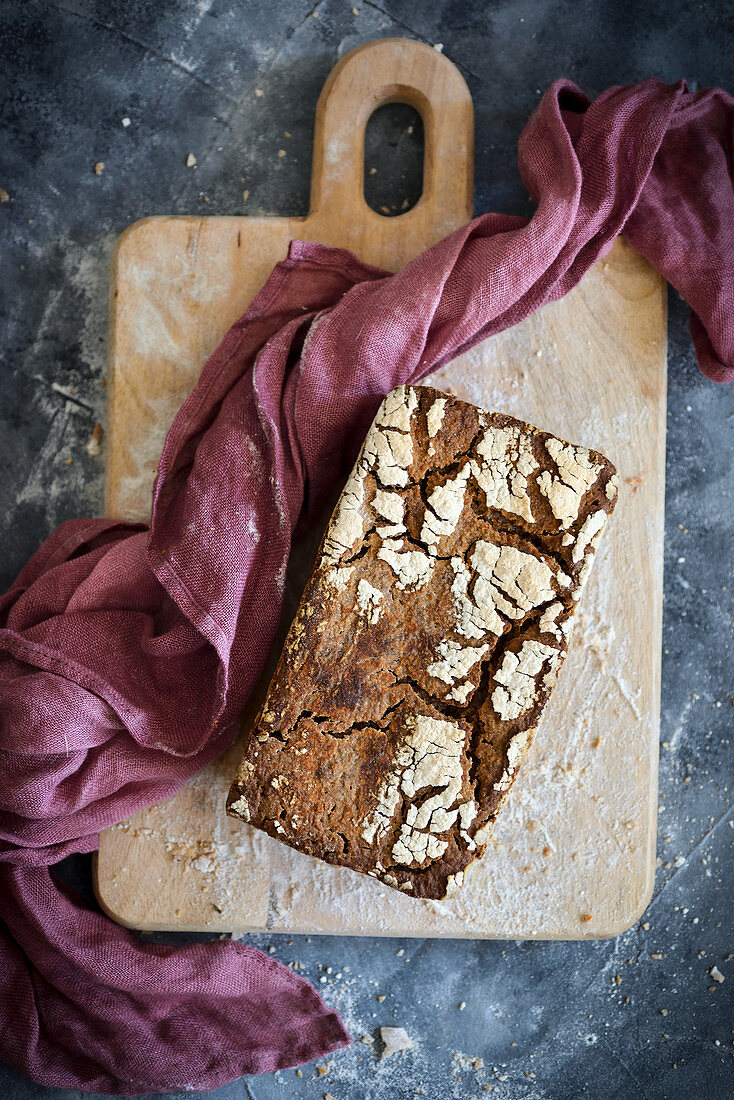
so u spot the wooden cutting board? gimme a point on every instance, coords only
(573, 855)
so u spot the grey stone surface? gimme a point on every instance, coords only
(635, 1016)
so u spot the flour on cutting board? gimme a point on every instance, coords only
(136, 487)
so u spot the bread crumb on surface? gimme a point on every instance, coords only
(716, 974)
(99, 168)
(94, 444)
(395, 1040)
(191, 161)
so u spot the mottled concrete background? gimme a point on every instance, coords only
(637, 1016)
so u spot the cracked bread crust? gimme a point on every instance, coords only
(426, 643)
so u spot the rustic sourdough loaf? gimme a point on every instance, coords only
(426, 643)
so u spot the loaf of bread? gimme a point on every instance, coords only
(426, 643)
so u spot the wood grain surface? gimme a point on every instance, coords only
(573, 853)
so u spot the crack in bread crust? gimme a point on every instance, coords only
(426, 643)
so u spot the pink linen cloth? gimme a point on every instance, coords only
(127, 654)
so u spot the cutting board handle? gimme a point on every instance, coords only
(394, 70)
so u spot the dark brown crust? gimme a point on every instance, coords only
(346, 691)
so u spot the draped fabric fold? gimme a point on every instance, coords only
(126, 654)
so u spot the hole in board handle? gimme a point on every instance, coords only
(393, 159)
